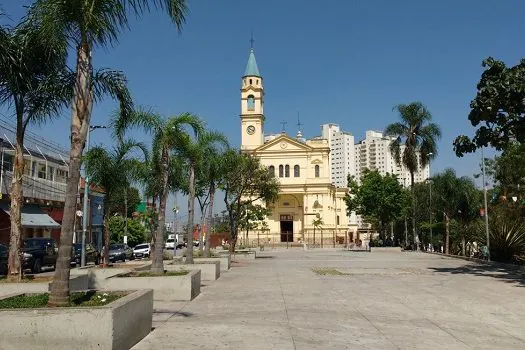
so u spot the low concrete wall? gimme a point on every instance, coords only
(117, 326)
(76, 283)
(226, 261)
(244, 256)
(385, 249)
(166, 288)
(210, 271)
(97, 277)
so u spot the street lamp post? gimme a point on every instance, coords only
(486, 206)
(430, 203)
(85, 203)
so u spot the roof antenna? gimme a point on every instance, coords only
(251, 41)
(299, 127)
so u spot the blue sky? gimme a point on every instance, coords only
(347, 62)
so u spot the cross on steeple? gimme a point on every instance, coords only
(283, 130)
(299, 124)
(251, 41)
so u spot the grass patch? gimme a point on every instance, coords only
(80, 299)
(328, 271)
(153, 274)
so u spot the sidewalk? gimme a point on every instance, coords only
(380, 301)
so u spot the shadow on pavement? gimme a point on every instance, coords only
(509, 275)
(265, 257)
(174, 312)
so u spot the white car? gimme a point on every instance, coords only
(141, 250)
(170, 243)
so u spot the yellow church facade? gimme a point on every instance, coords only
(302, 168)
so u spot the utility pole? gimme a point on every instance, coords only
(486, 206)
(86, 199)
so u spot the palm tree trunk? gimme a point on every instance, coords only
(413, 190)
(157, 265)
(152, 229)
(210, 217)
(80, 117)
(201, 230)
(447, 233)
(17, 202)
(105, 262)
(191, 214)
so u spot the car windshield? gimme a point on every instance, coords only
(170, 240)
(31, 243)
(116, 246)
(77, 246)
(141, 246)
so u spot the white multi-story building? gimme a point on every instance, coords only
(373, 153)
(342, 159)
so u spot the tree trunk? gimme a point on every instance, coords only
(413, 190)
(447, 233)
(201, 230)
(157, 265)
(463, 246)
(210, 217)
(17, 202)
(105, 262)
(191, 214)
(152, 230)
(80, 118)
(314, 236)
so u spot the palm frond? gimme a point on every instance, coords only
(112, 83)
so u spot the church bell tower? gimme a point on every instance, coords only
(252, 103)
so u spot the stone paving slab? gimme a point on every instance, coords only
(386, 300)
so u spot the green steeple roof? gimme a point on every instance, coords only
(251, 66)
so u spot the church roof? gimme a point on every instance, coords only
(251, 66)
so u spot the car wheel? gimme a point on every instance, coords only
(37, 266)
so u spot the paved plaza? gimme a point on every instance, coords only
(358, 301)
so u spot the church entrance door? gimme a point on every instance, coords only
(286, 228)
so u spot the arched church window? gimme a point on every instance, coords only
(281, 171)
(251, 103)
(250, 82)
(296, 171)
(287, 171)
(317, 171)
(272, 170)
(257, 81)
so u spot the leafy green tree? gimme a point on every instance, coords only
(498, 109)
(251, 215)
(112, 170)
(84, 25)
(34, 83)
(136, 232)
(170, 140)
(318, 224)
(118, 203)
(378, 197)
(245, 182)
(414, 144)
(456, 198)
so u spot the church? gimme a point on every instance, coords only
(302, 168)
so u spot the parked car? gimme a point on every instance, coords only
(39, 252)
(120, 252)
(180, 245)
(141, 250)
(170, 243)
(4, 252)
(92, 255)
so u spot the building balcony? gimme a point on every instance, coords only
(37, 188)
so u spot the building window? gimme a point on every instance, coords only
(338, 219)
(281, 170)
(317, 171)
(272, 170)
(251, 103)
(287, 171)
(250, 82)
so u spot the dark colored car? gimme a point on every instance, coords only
(3, 259)
(92, 255)
(39, 252)
(120, 252)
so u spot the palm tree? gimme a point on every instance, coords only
(208, 176)
(193, 152)
(414, 143)
(33, 81)
(318, 223)
(85, 24)
(112, 171)
(168, 136)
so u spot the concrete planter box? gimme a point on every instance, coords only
(210, 271)
(76, 283)
(385, 249)
(117, 326)
(167, 288)
(226, 261)
(249, 255)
